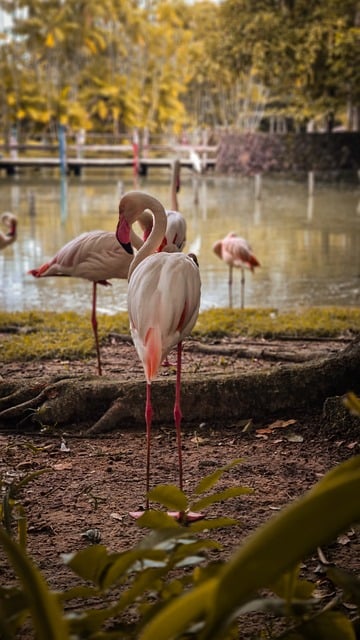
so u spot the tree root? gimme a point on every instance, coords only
(96, 405)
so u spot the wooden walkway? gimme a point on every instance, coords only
(75, 164)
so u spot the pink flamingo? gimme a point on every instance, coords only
(9, 220)
(95, 256)
(175, 236)
(163, 304)
(236, 252)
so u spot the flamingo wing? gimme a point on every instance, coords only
(95, 256)
(163, 303)
(237, 252)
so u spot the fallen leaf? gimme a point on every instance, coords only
(278, 424)
(199, 440)
(117, 516)
(352, 445)
(61, 466)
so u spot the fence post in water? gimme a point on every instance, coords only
(62, 149)
(257, 186)
(311, 183)
(135, 145)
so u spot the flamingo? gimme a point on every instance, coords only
(163, 304)
(9, 220)
(236, 252)
(175, 236)
(95, 256)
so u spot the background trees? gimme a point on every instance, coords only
(165, 65)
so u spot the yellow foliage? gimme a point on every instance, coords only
(102, 110)
(11, 99)
(50, 40)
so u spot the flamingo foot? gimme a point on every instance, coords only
(186, 517)
(137, 514)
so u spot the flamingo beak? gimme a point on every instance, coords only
(123, 235)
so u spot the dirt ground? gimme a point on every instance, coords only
(95, 482)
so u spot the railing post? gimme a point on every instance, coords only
(62, 149)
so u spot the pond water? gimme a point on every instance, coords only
(309, 248)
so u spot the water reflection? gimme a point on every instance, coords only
(309, 247)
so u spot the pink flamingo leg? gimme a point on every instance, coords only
(242, 288)
(190, 516)
(230, 285)
(94, 326)
(148, 419)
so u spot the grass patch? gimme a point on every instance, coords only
(35, 336)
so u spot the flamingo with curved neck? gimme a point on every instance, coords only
(175, 235)
(163, 304)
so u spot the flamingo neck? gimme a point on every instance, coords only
(131, 206)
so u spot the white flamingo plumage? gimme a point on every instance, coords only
(236, 252)
(9, 220)
(96, 256)
(163, 303)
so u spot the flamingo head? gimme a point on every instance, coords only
(217, 248)
(123, 231)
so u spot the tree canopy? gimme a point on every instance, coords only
(166, 65)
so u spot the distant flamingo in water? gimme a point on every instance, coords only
(236, 252)
(95, 256)
(9, 220)
(163, 303)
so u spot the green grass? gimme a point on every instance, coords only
(35, 335)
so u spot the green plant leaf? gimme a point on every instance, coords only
(232, 492)
(214, 523)
(206, 483)
(329, 625)
(347, 581)
(90, 563)
(46, 613)
(273, 549)
(180, 613)
(158, 520)
(169, 496)
(309, 522)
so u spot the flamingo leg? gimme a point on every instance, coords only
(94, 326)
(242, 288)
(148, 419)
(189, 516)
(230, 284)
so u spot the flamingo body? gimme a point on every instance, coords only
(96, 256)
(9, 220)
(236, 252)
(163, 303)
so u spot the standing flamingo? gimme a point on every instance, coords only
(236, 252)
(163, 304)
(95, 256)
(175, 236)
(9, 220)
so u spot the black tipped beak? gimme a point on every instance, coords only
(128, 248)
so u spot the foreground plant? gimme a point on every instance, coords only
(164, 588)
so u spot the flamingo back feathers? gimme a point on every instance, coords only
(236, 251)
(163, 303)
